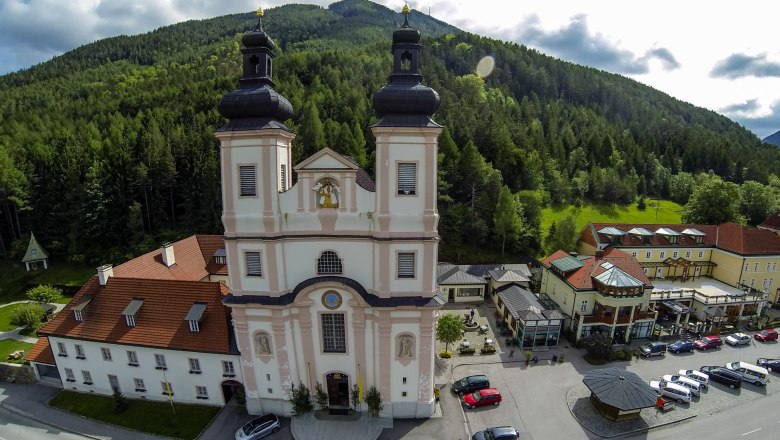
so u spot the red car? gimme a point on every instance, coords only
(766, 335)
(488, 396)
(708, 342)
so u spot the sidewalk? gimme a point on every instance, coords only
(30, 401)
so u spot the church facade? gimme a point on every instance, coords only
(332, 278)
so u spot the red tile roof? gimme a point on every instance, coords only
(772, 222)
(160, 320)
(582, 278)
(209, 244)
(191, 255)
(41, 352)
(747, 241)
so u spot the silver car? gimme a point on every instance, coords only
(259, 428)
(692, 385)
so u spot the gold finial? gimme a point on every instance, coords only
(259, 12)
(406, 9)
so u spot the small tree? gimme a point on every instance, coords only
(44, 294)
(300, 399)
(598, 345)
(354, 397)
(320, 397)
(374, 401)
(449, 329)
(27, 315)
(120, 401)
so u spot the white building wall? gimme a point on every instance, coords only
(177, 374)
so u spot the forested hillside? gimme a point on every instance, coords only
(108, 150)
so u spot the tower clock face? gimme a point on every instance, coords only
(331, 300)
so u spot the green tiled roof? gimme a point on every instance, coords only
(567, 263)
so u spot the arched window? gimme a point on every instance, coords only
(328, 263)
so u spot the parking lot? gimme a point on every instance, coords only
(549, 400)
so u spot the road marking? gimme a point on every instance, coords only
(750, 432)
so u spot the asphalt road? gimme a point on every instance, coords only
(14, 427)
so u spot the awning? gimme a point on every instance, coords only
(676, 306)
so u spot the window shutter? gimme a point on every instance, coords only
(248, 182)
(254, 264)
(405, 265)
(284, 177)
(407, 178)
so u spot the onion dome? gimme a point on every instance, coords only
(255, 104)
(405, 101)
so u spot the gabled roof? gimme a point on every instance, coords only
(35, 252)
(747, 241)
(191, 253)
(159, 322)
(508, 276)
(327, 159)
(41, 352)
(772, 222)
(524, 304)
(451, 275)
(611, 230)
(656, 233)
(567, 263)
(641, 232)
(667, 231)
(592, 266)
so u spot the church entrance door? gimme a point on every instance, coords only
(338, 392)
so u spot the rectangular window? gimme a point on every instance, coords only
(87, 377)
(283, 177)
(701, 254)
(194, 326)
(77, 314)
(69, 375)
(194, 366)
(159, 362)
(584, 306)
(747, 267)
(248, 180)
(202, 392)
(687, 254)
(407, 178)
(662, 255)
(139, 385)
(755, 267)
(228, 369)
(405, 265)
(254, 264)
(768, 265)
(132, 359)
(633, 254)
(62, 350)
(648, 254)
(130, 320)
(80, 352)
(333, 335)
(675, 254)
(106, 352)
(167, 388)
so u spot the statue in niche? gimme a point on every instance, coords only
(262, 344)
(327, 194)
(405, 346)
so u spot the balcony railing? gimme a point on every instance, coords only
(610, 318)
(707, 299)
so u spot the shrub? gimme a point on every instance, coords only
(444, 354)
(598, 345)
(374, 401)
(44, 294)
(320, 397)
(27, 315)
(120, 401)
(354, 397)
(300, 400)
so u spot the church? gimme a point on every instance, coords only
(332, 278)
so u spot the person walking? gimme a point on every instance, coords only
(472, 314)
(512, 352)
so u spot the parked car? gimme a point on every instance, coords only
(708, 342)
(681, 346)
(693, 386)
(723, 375)
(673, 391)
(497, 433)
(769, 364)
(749, 372)
(469, 384)
(259, 427)
(653, 349)
(738, 339)
(696, 375)
(484, 397)
(766, 335)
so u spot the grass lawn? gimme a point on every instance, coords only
(14, 278)
(142, 415)
(5, 317)
(665, 212)
(9, 346)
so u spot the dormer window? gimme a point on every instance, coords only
(78, 308)
(220, 257)
(195, 315)
(131, 311)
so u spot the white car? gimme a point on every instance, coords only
(259, 428)
(698, 376)
(738, 339)
(675, 392)
(692, 385)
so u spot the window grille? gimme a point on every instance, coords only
(248, 180)
(328, 263)
(333, 335)
(283, 177)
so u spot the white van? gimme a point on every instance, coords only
(750, 373)
(692, 385)
(671, 390)
(696, 375)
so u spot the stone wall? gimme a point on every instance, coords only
(16, 373)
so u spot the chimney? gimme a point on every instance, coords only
(105, 272)
(166, 250)
(599, 254)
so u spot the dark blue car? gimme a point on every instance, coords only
(681, 346)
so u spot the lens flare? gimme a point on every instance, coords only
(485, 66)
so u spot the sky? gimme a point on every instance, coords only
(715, 54)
